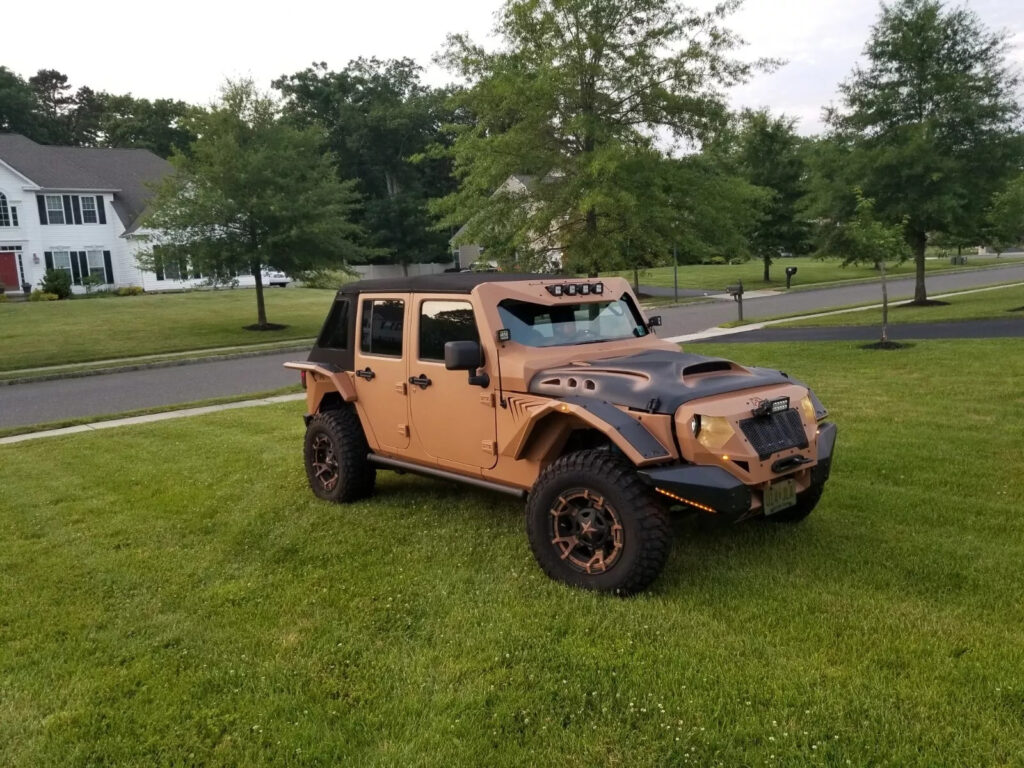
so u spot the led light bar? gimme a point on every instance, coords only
(576, 289)
(768, 407)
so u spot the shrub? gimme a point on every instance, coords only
(56, 281)
(717, 260)
(130, 290)
(3, 298)
(325, 278)
(38, 295)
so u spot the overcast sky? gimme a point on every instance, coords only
(186, 49)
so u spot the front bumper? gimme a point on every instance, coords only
(713, 489)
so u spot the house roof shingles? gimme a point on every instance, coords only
(126, 172)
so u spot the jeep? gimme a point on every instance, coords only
(556, 390)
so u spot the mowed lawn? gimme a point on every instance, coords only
(172, 594)
(996, 303)
(809, 271)
(82, 330)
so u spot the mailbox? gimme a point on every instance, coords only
(735, 290)
(790, 271)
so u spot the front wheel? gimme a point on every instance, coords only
(593, 523)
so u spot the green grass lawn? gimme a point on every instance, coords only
(172, 594)
(56, 332)
(810, 271)
(996, 303)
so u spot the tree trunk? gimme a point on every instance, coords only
(590, 227)
(261, 307)
(405, 268)
(767, 268)
(636, 280)
(918, 240)
(885, 304)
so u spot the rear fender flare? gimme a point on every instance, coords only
(326, 378)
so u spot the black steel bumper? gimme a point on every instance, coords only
(717, 490)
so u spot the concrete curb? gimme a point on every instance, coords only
(151, 418)
(77, 374)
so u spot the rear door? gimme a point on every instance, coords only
(380, 366)
(453, 420)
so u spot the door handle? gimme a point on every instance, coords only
(366, 373)
(420, 381)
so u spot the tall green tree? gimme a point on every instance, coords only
(254, 192)
(770, 155)
(929, 121)
(379, 117)
(1005, 216)
(19, 107)
(161, 126)
(577, 99)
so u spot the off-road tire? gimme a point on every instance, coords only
(621, 495)
(805, 504)
(335, 456)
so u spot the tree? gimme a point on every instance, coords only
(929, 120)
(1006, 215)
(379, 117)
(578, 99)
(162, 126)
(254, 192)
(863, 239)
(19, 109)
(770, 156)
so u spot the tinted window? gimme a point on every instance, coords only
(335, 331)
(443, 321)
(543, 325)
(381, 331)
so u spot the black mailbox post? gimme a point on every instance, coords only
(736, 291)
(790, 271)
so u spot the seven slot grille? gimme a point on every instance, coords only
(770, 434)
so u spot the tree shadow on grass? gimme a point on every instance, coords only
(886, 345)
(267, 327)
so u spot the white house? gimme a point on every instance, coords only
(79, 209)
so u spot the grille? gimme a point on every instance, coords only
(771, 434)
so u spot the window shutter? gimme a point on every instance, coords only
(76, 206)
(76, 273)
(68, 215)
(83, 260)
(48, 256)
(99, 209)
(41, 201)
(108, 267)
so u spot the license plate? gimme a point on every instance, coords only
(779, 496)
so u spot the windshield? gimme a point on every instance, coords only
(544, 325)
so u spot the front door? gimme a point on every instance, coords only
(380, 363)
(453, 419)
(9, 272)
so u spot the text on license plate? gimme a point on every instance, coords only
(779, 496)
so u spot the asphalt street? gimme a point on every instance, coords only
(696, 317)
(1009, 327)
(106, 394)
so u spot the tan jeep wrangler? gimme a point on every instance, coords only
(556, 390)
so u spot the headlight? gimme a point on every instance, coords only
(715, 432)
(807, 410)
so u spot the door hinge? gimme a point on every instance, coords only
(487, 398)
(400, 387)
(403, 430)
(488, 447)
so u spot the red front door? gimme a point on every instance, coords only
(9, 272)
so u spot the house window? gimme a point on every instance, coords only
(94, 261)
(62, 260)
(8, 213)
(89, 210)
(55, 212)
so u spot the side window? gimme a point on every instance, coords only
(442, 321)
(335, 332)
(381, 331)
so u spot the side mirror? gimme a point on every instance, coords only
(463, 355)
(654, 321)
(466, 356)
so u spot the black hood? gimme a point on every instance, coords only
(658, 381)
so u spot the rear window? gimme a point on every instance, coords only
(335, 331)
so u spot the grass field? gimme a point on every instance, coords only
(172, 594)
(996, 303)
(57, 332)
(810, 271)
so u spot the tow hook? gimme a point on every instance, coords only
(788, 463)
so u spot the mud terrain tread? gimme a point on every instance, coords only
(357, 476)
(633, 500)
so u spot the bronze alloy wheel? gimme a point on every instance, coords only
(325, 463)
(586, 530)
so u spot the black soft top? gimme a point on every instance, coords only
(447, 282)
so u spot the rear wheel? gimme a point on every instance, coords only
(593, 523)
(335, 456)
